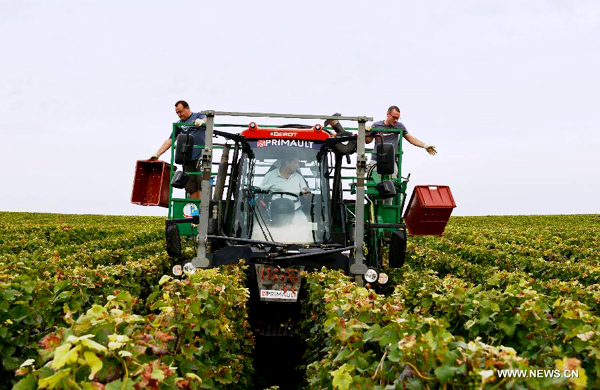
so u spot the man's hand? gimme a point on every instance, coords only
(369, 135)
(430, 149)
(154, 157)
(305, 191)
(199, 122)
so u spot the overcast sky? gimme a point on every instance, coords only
(507, 90)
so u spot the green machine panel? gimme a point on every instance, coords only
(185, 208)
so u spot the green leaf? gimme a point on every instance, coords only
(51, 381)
(95, 364)
(507, 325)
(119, 385)
(224, 377)
(343, 355)
(60, 356)
(64, 295)
(374, 333)
(10, 362)
(444, 373)
(341, 379)
(195, 307)
(28, 383)
(19, 313)
(484, 319)
(157, 374)
(94, 346)
(395, 355)
(389, 337)
(9, 295)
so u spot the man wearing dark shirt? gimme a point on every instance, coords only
(182, 109)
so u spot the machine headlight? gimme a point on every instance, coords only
(371, 275)
(383, 278)
(177, 270)
(189, 268)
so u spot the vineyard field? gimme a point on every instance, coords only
(88, 302)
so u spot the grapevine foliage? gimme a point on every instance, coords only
(84, 303)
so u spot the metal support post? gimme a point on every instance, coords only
(201, 261)
(359, 268)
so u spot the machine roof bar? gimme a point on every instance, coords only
(293, 116)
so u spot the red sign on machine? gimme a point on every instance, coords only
(316, 133)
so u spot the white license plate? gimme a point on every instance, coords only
(280, 295)
(277, 283)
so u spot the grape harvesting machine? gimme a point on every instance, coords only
(285, 199)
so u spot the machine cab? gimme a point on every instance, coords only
(283, 187)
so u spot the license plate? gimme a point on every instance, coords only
(278, 284)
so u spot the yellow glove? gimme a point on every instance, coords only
(154, 157)
(199, 122)
(430, 149)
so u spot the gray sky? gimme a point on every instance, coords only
(506, 90)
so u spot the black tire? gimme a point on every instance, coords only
(173, 240)
(397, 253)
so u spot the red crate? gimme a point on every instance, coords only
(151, 183)
(429, 210)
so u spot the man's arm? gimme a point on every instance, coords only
(414, 140)
(164, 147)
(417, 142)
(304, 187)
(267, 180)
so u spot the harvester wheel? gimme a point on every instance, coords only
(397, 252)
(173, 241)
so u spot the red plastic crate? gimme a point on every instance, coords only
(151, 183)
(429, 210)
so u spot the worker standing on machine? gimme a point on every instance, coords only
(392, 121)
(182, 109)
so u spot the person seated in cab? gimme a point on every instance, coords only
(286, 182)
(286, 179)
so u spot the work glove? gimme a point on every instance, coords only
(199, 122)
(154, 157)
(430, 149)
